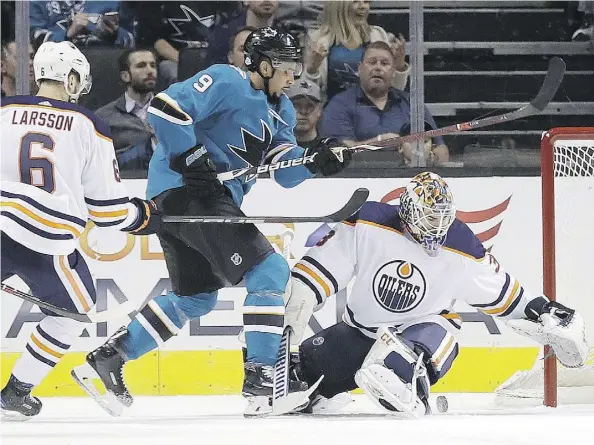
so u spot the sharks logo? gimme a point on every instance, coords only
(192, 29)
(254, 146)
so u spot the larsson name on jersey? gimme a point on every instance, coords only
(399, 286)
(42, 118)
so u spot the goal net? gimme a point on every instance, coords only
(567, 156)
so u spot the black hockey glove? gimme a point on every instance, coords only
(199, 173)
(540, 305)
(149, 218)
(326, 162)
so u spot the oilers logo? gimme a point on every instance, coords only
(399, 286)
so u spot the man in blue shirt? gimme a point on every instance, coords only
(374, 111)
(221, 119)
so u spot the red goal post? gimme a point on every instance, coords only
(554, 163)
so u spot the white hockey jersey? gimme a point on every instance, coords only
(58, 169)
(396, 282)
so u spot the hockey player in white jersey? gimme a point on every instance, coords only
(58, 171)
(398, 334)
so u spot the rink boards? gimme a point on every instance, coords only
(205, 357)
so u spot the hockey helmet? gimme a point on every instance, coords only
(427, 210)
(55, 61)
(281, 48)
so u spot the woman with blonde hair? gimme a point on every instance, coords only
(335, 49)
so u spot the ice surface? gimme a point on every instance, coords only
(207, 420)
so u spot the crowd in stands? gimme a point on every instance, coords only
(354, 86)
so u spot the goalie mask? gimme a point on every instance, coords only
(427, 210)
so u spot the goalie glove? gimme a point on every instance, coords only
(551, 323)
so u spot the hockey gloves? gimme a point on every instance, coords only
(326, 162)
(551, 323)
(199, 173)
(149, 218)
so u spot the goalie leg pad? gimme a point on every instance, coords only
(394, 376)
(434, 337)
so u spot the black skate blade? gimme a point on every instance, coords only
(84, 376)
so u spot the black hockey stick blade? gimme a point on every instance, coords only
(551, 84)
(350, 208)
(123, 310)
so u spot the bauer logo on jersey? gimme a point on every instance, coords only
(399, 286)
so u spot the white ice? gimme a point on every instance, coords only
(209, 420)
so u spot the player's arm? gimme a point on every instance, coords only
(41, 27)
(105, 196)
(324, 270)
(284, 147)
(173, 115)
(498, 293)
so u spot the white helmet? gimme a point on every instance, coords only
(55, 61)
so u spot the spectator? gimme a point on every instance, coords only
(586, 31)
(335, 49)
(373, 110)
(83, 23)
(235, 56)
(7, 19)
(307, 100)
(258, 14)
(434, 154)
(9, 69)
(127, 116)
(175, 25)
(297, 17)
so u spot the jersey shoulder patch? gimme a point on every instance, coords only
(463, 240)
(377, 213)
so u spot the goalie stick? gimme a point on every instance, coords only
(550, 85)
(123, 309)
(351, 207)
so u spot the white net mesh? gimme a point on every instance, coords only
(574, 247)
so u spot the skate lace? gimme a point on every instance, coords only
(268, 372)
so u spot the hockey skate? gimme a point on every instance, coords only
(17, 403)
(258, 387)
(107, 364)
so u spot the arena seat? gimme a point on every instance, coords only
(106, 77)
(191, 60)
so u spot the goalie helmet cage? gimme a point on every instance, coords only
(567, 171)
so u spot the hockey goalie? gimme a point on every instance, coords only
(397, 336)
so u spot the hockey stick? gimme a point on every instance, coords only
(351, 207)
(123, 310)
(550, 85)
(283, 401)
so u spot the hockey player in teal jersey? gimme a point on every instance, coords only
(219, 120)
